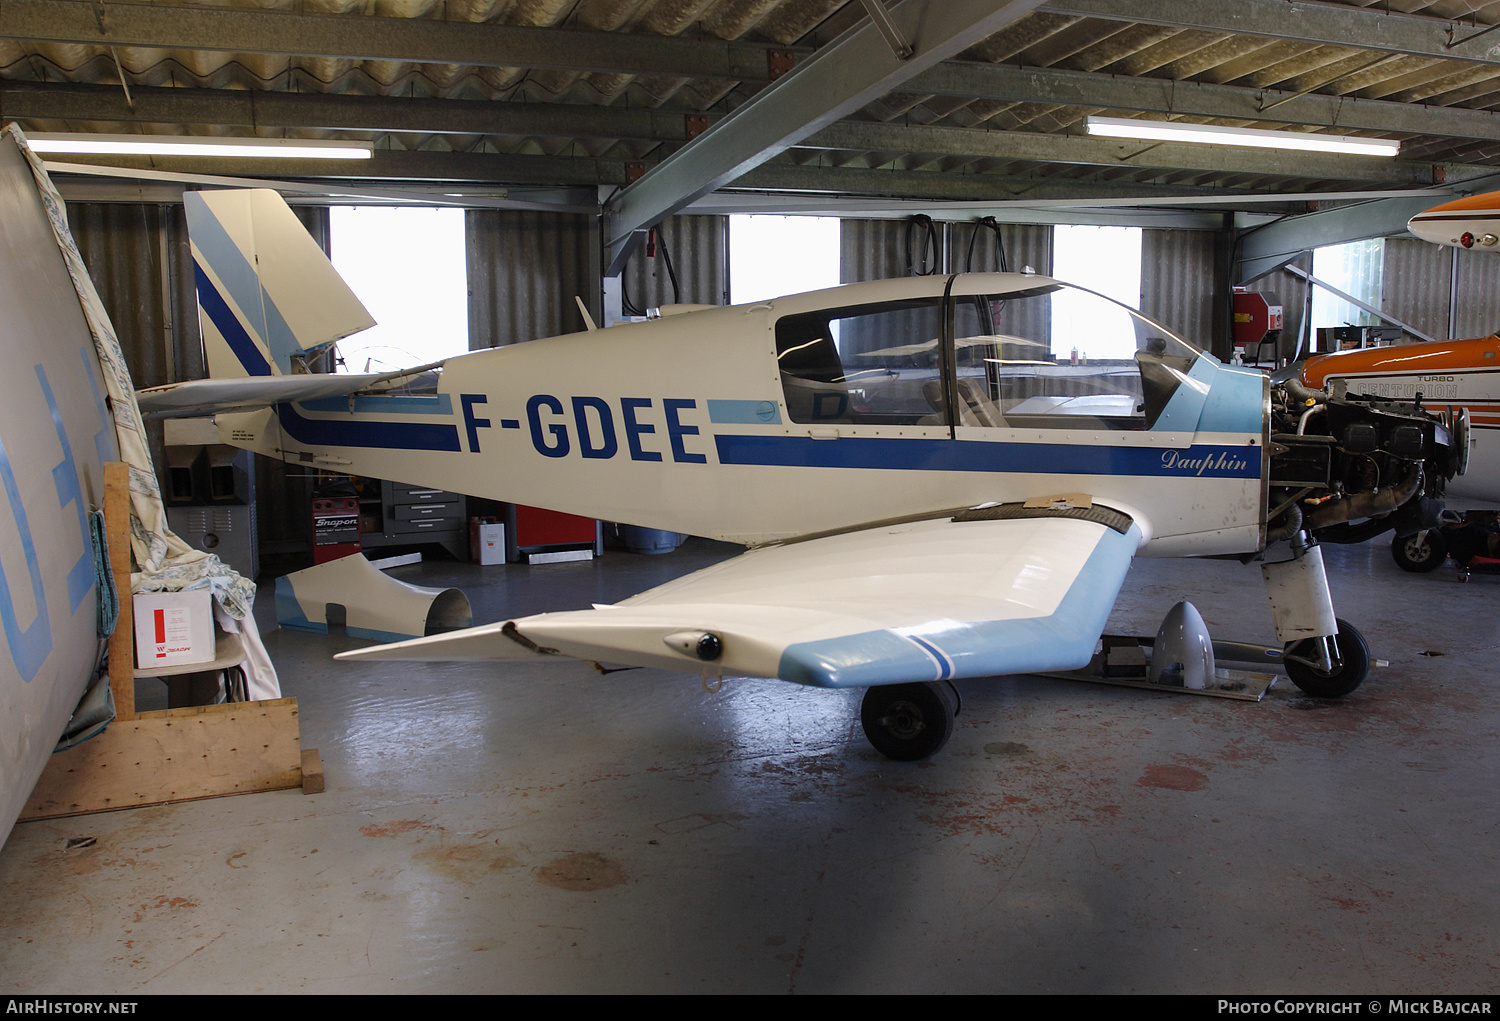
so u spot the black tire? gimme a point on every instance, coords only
(908, 722)
(1420, 553)
(1353, 665)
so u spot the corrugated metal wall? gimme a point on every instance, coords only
(698, 248)
(1181, 280)
(1026, 244)
(524, 270)
(883, 249)
(1478, 294)
(137, 257)
(871, 250)
(316, 219)
(1415, 279)
(1415, 285)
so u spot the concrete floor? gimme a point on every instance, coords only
(545, 829)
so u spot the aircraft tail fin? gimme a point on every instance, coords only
(267, 295)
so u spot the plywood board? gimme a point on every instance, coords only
(174, 755)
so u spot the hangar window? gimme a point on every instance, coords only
(407, 265)
(1357, 270)
(1106, 260)
(770, 256)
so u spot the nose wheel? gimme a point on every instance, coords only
(908, 722)
(1351, 662)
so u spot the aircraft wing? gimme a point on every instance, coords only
(198, 398)
(915, 601)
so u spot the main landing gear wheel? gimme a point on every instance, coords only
(1349, 670)
(908, 722)
(1420, 553)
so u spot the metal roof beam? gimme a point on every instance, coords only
(1268, 248)
(859, 136)
(393, 165)
(847, 191)
(843, 76)
(1271, 247)
(1326, 24)
(1052, 86)
(356, 37)
(277, 110)
(878, 208)
(487, 169)
(490, 168)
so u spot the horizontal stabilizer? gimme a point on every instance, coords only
(198, 398)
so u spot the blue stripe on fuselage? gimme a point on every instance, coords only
(400, 404)
(334, 432)
(319, 431)
(1217, 461)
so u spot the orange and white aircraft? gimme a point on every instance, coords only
(1472, 222)
(1452, 376)
(1457, 379)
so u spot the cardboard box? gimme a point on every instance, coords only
(486, 541)
(173, 628)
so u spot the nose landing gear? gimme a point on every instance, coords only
(1347, 663)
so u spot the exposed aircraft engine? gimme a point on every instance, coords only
(1349, 467)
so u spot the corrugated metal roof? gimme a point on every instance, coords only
(1005, 119)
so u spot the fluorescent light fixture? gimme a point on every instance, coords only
(185, 145)
(1176, 131)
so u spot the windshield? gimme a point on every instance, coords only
(1064, 356)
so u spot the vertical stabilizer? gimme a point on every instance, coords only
(266, 292)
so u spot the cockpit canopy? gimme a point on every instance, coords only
(1044, 355)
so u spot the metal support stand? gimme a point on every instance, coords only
(1179, 659)
(1125, 662)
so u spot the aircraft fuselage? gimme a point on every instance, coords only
(693, 423)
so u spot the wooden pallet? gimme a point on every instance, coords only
(179, 755)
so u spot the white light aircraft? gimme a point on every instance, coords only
(56, 434)
(928, 493)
